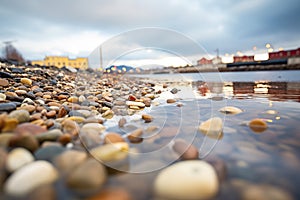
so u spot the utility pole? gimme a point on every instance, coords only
(217, 50)
(101, 59)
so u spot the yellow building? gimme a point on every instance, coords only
(60, 61)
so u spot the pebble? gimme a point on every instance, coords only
(132, 97)
(174, 90)
(3, 82)
(7, 106)
(265, 192)
(110, 152)
(51, 114)
(26, 81)
(26, 141)
(17, 158)
(29, 108)
(93, 127)
(136, 136)
(29, 128)
(88, 176)
(113, 193)
(69, 160)
(73, 99)
(5, 138)
(189, 180)
(76, 119)
(108, 114)
(63, 111)
(258, 125)
(113, 138)
(51, 135)
(70, 126)
(230, 110)
(48, 153)
(147, 118)
(20, 115)
(135, 103)
(171, 100)
(122, 122)
(9, 125)
(213, 128)
(185, 151)
(29, 177)
(2, 98)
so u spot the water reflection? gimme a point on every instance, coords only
(277, 91)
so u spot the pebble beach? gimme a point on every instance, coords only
(68, 134)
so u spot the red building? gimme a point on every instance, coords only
(237, 59)
(204, 61)
(284, 54)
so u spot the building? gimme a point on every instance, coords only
(237, 59)
(204, 61)
(284, 54)
(61, 61)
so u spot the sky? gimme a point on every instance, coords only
(75, 28)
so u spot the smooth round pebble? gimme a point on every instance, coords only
(29, 177)
(212, 127)
(110, 152)
(185, 151)
(20, 115)
(17, 158)
(258, 125)
(26, 81)
(98, 128)
(90, 175)
(189, 180)
(113, 138)
(69, 160)
(230, 110)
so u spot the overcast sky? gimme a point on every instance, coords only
(76, 27)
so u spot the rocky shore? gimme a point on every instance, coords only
(68, 135)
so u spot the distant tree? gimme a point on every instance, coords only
(11, 53)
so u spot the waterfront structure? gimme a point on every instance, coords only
(61, 61)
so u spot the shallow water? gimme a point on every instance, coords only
(269, 158)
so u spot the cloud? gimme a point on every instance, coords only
(76, 27)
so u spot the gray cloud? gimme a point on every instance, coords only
(229, 25)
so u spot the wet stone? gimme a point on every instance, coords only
(113, 138)
(171, 100)
(174, 90)
(136, 136)
(185, 151)
(194, 180)
(147, 118)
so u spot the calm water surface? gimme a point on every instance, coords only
(269, 159)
